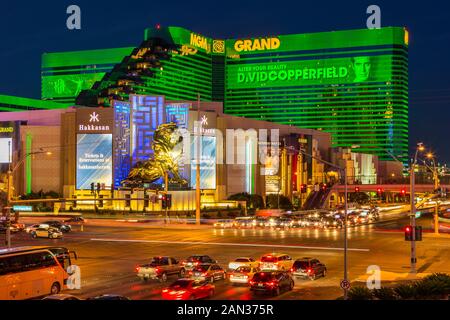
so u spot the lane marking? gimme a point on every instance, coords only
(228, 244)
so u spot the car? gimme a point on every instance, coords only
(273, 282)
(196, 260)
(208, 272)
(160, 268)
(188, 289)
(51, 233)
(12, 227)
(284, 222)
(75, 220)
(243, 274)
(61, 296)
(35, 226)
(242, 261)
(308, 268)
(331, 222)
(245, 222)
(59, 225)
(224, 224)
(109, 297)
(275, 261)
(260, 222)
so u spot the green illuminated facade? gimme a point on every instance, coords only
(13, 103)
(353, 84)
(65, 74)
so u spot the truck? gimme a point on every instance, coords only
(160, 268)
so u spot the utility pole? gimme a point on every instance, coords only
(8, 199)
(420, 147)
(197, 170)
(344, 171)
(166, 191)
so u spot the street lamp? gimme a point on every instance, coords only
(436, 187)
(9, 189)
(420, 147)
(344, 170)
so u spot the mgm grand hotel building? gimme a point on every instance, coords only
(331, 90)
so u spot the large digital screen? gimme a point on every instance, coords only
(5, 150)
(207, 162)
(94, 160)
(310, 72)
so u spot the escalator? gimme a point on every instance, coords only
(317, 199)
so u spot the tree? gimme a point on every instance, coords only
(253, 201)
(272, 202)
(167, 150)
(359, 197)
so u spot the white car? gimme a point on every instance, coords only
(276, 261)
(51, 233)
(35, 226)
(61, 296)
(243, 261)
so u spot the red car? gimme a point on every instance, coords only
(188, 289)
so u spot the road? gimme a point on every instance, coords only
(110, 250)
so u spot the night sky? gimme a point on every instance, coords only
(28, 30)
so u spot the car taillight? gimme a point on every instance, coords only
(196, 263)
(138, 269)
(158, 269)
(165, 290)
(181, 292)
(190, 272)
(292, 269)
(252, 282)
(309, 270)
(271, 283)
(204, 274)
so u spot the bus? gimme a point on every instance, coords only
(33, 271)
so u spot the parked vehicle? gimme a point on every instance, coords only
(160, 268)
(245, 222)
(208, 272)
(188, 289)
(273, 282)
(224, 224)
(308, 268)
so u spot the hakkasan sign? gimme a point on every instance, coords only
(310, 72)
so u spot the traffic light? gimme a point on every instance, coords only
(324, 187)
(409, 233)
(92, 187)
(164, 201)
(303, 188)
(403, 191)
(379, 190)
(356, 189)
(169, 200)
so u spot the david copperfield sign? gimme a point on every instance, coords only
(95, 120)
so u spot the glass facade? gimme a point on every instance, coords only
(353, 84)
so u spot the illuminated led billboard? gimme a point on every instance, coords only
(94, 160)
(207, 162)
(310, 72)
(68, 85)
(5, 150)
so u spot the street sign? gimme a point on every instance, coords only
(418, 214)
(23, 208)
(345, 284)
